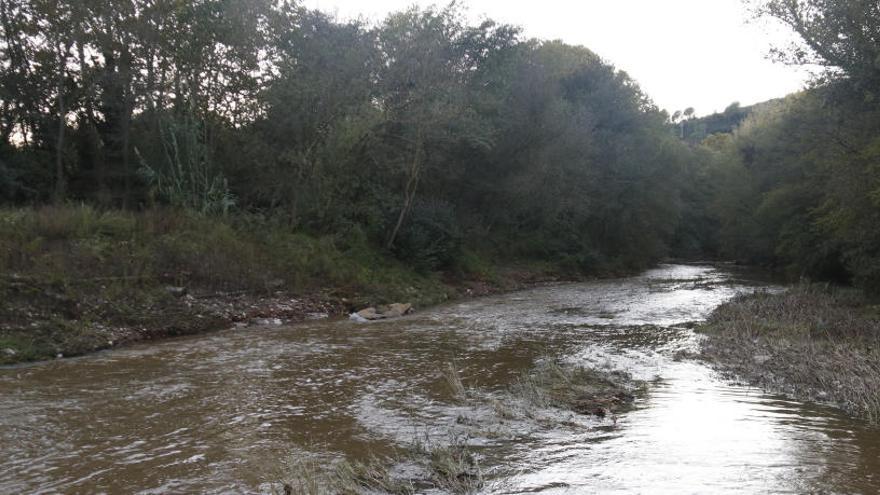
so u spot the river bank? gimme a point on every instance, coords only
(75, 280)
(223, 411)
(811, 342)
(45, 325)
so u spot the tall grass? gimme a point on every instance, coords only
(77, 244)
(68, 272)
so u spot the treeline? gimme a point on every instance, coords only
(797, 185)
(430, 138)
(695, 129)
(423, 134)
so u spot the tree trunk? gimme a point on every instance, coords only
(412, 185)
(127, 97)
(60, 183)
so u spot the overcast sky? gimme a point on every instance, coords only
(684, 53)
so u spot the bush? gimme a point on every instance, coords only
(431, 238)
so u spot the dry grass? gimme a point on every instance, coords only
(311, 477)
(813, 342)
(452, 376)
(450, 468)
(577, 389)
(455, 469)
(453, 466)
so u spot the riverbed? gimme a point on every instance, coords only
(222, 413)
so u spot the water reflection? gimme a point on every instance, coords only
(213, 413)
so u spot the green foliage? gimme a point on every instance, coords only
(187, 176)
(794, 187)
(840, 35)
(81, 247)
(422, 136)
(431, 239)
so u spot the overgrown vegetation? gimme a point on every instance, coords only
(574, 388)
(73, 278)
(260, 146)
(255, 145)
(815, 342)
(423, 135)
(797, 184)
(451, 468)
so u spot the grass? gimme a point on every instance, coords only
(75, 279)
(455, 469)
(449, 468)
(311, 477)
(81, 245)
(452, 376)
(575, 388)
(813, 342)
(69, 274)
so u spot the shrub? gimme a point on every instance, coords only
(431, 238)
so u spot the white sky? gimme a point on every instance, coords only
(684, 53)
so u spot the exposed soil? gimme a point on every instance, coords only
(41, 321)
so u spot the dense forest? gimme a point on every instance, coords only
(427, 137)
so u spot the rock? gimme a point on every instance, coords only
(395, 310)
(176, 291)
(9, 352)
(369, 314)
(357, 318)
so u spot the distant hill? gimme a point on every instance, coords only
(696, 129)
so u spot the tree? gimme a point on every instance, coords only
(842, 35)
(430, 57)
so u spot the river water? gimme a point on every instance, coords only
(219, 413)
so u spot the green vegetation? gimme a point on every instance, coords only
(797, 184)
(76, 279)
(259, 146)
(423, 135)
(813, 342)
(695, 129)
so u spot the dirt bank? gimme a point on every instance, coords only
(40, 320)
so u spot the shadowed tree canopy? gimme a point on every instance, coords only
(431, 137)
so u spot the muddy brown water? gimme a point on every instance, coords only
(219, 413)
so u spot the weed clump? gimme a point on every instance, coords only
(575, 388)
(451, 468)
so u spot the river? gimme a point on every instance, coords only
(219, 413)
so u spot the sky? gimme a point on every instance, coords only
(703, 54)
